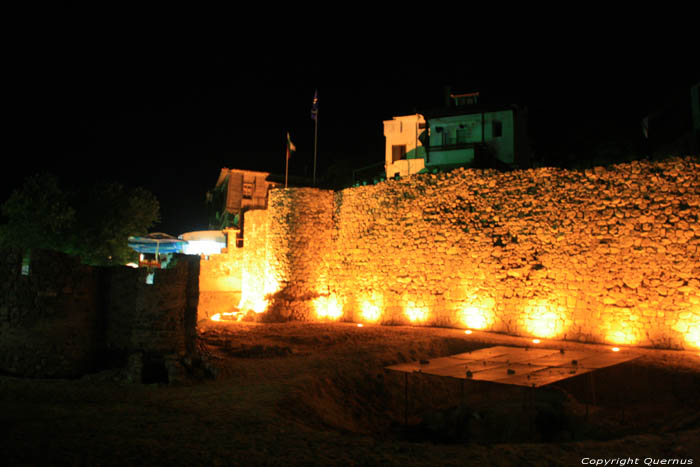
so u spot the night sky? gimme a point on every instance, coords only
(168, 115)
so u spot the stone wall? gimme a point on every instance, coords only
(152, 318)
(49, 320)
(220, 282)
(602, 255)
(64, 319)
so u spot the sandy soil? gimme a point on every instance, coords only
(318, 394)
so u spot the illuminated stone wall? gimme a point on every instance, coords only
(220, 280)
(300, 250)
(603, 255)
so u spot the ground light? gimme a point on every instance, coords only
(225, 316)
(468, 331)
(536, 341)
(359, 325)
(615, 349)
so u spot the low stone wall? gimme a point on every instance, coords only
(602, 255)
(152, 317)
(64, 318)
(49, 320)
(220, 281)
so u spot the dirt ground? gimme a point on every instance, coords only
(319, 394)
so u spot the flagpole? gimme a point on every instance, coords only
(314, 115)
(286, 167)
(315, 144)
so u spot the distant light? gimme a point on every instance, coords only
(468, 331)
(535, 341)
(416, 314)
(475, 317)
(615, 349)
(359, 325)
(203, 247)
(328, 307)
(371, 310)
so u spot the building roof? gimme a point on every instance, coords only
(468, 110)
(225, 172)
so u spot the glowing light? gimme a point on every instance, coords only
(536, 341)
(203, 247)
(371, 308)
(692, 336)
(259, 306)
(468, 331)
(476, 318)
(256, 285)
(416, 314)
(255, 304)
(689, 327)
(615, 349)
(206, 242)
(228, 316)
(621, 336)
(359, 325)
(328, 307)
(541, 321)
(477, 311)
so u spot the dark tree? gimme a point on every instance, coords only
(93, 223)
(106, 215)
(39, 215)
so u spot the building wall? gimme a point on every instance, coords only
(235, 191)
(473, 131)
(405, 131)
(220, 279)
(502, 146)
(605, 255)
(246, 189)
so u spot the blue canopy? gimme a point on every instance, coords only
(157, 243)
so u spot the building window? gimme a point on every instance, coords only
(398, 152)
(497, 129)
(463, 133)
(248, 190)
(449, 136)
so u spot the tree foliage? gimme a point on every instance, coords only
(39, 215)
(93, 223)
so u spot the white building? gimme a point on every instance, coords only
(404, 153)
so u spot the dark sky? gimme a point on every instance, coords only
(168, 115)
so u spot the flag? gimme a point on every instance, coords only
(314, 106)
(290, 146)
